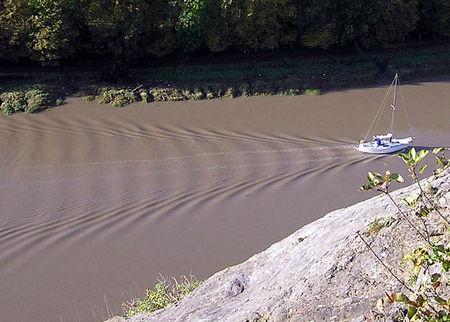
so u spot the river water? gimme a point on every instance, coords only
(96, 202)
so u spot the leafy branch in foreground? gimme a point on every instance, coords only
(428, 298)
(382, 183)
(441, 162)
(163, 294)
(412, 160)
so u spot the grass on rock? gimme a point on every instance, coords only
(164, 294)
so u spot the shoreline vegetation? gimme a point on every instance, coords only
(35, 91)
(204, 49)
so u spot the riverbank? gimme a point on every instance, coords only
(324, 271)
(34, 91)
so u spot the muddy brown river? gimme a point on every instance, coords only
(96, 202)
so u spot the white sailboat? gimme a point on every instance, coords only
(386, 143)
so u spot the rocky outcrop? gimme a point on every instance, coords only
(324, 271)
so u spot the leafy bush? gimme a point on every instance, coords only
(145, 96)
(13, 102)
(163, 294)
(167, 94)
(116, 97)
(29, 100)
(230, 92)
(312, 92)
(428, 298)
(36, 100)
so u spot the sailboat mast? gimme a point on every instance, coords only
(394, 103)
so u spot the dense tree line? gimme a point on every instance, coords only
(121, 30)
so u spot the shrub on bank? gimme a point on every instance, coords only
(167, 94)
(281, 76)
(164, 294)
(116, 97)
(312, 92)
(29, 100)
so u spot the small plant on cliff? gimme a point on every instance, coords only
(162, 295)
(382, 183)
(430, 274)
(412, 159)
(377, 225)
(428, 298)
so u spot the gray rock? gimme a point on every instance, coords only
(116, 319)
(329, 276)
(237, 286)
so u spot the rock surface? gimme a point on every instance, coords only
(324, 271)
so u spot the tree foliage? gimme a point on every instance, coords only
(123, 30)
(434, 18)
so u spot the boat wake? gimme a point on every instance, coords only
(96, 201)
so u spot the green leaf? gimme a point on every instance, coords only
(446, 265)
(404, 156)
(411, 312)
(423, 168)
(411, 201)
(420, 300)
(421, 155)
(438, 249)
(412, 154)
(434, 278)
(400, 179)
(438, 150)
(424, 211)
(402, 298)
(374, 177)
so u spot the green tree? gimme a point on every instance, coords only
(223, 17)
(192, 23)
(161, 38)
(434, 18)
(319, 26)
(52, 29)
(359, 23)
(14, 29)
(265, 24)
(443, 27)
(397, 18)
(356, 22)
(123, 30)
(42, 30)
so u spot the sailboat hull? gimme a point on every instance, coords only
(395, 146)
